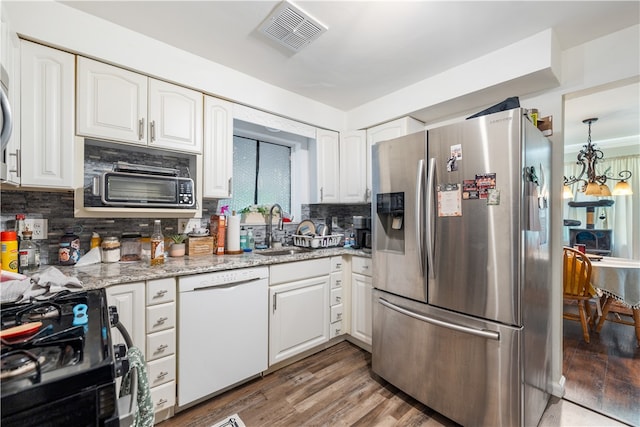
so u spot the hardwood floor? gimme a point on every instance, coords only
(336, 387)
(603, 375)
(332, 388)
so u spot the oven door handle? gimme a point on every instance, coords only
(127, 403)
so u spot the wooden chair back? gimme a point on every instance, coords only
(576, 274)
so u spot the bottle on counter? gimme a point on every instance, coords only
(110, 249)
(243, 238)
(20, 227)
(10, 256)
(251, 243)
(157, 244)
(95, 240)
(69, 249)
(29, 253)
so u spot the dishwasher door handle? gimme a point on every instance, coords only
(484, 333)
(226, 285)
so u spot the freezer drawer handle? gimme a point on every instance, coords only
(478, 332)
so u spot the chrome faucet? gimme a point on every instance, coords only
(269, 236)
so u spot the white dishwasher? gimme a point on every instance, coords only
(222, 330)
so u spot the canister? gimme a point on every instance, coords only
(9, 251)
(131, 247)
(110, 249)
(69, 250)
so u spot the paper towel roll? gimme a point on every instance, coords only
(233, 234)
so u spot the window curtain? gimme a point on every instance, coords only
(623, 217)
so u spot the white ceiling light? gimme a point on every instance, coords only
(292, 27)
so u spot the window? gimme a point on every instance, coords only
(261, 174)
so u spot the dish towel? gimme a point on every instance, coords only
(144, 415)
(44, 284)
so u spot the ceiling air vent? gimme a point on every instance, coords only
(291, 27)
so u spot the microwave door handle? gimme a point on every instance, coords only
(95, 186)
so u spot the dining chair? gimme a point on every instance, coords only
(577, 289)
(615, 311)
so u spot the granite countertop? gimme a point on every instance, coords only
(103, 275)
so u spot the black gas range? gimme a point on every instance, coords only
(62, 370)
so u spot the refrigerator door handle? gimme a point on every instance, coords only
(429, 218)
(484, 333)
(419, 217)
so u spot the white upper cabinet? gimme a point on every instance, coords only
(328, 166)
(218, 148)
(393, 129)
(124, 106)
(175, 117)
(353, 169)
(112, 102)
(47, 117)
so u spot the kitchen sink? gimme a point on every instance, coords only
(282, 251)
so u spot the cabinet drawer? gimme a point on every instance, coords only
(300, 270)
(361, 265)
(336, 313)
(336, 279)
(163, 396)
(335, 329)
(161, 317)
(161, 291)
(161, 371)
(336, 296)
(336, 263)
(161, 344)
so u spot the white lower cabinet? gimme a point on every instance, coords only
(298, 308)
(361, 299)
(336, 311)
(147, 311)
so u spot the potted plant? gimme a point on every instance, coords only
(177, 247)
(256, 214)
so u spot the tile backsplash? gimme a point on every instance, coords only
(57, 208)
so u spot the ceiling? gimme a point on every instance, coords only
(373, 48)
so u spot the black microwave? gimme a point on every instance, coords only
(145, 186)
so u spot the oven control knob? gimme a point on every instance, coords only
(113, 315)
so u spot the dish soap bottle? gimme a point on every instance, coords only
(250, 240)
(157, 244)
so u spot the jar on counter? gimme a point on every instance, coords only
(131, 247)
(110, 249)
(10, 254)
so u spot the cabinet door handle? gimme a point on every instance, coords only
(275, 299)
(141, 129)
(229, 189)
(18, 169)
(321, 193)
(152, 130)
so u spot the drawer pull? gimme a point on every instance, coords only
(339, 282)
(161, 320)
(161, 293)
(339, 265)
(337, 331)
(365, 267)
(338, 299)
(162, 348)
(162, 402)
(339, 316)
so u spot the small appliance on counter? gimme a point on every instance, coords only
(362, 226)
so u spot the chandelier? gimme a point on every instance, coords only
(592, 184)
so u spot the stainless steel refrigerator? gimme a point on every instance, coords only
(461, 268)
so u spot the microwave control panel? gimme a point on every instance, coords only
(185, 193)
